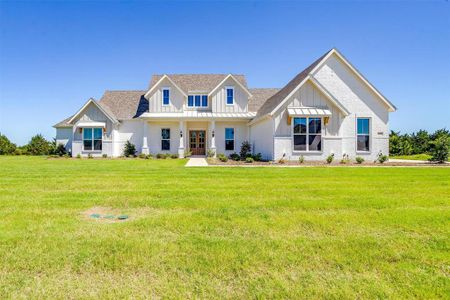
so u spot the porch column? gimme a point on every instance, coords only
(212, 126)
(181, 132)
(144, 138)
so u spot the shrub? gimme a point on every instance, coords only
(359, 160)
(78, 155)
(105, 155)
(210, 153)
(330, 158)
(249, 160)
(149, 156)
(168, 155)
(222, 157)
(235, 156)
(381, 158)
(174, 156)
(6, 147)
(257, 157)
(439, 149)
(38, 145)
(90, 156)
(142, 155)
(60, 150)
(345, 159)
(187, 153)
(301, 159)
(129, 149)
(246, 148)
(66, 155)
(18, 151)
(160, 156)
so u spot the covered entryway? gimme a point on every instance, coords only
(197, 142)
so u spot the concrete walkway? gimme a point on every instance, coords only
(196, 162)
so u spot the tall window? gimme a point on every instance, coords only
(92, 139)
(363, 134)
(307, 134)
(165, 139)
(229, 139)
(230, 95)
(166, 96)
(197, 100)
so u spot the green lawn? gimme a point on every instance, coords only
(222, 232)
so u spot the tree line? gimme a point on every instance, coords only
(38, 145)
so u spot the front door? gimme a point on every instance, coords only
(197, 142)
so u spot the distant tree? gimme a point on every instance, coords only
(439, 149)
(400, 144)
(6, 147)
(420, 142)
(38, 145)
(440, 133)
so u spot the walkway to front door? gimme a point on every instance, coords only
(197, 142)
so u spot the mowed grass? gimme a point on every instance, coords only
(314, 232)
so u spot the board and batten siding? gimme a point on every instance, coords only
(261, 138)
(93, 114)
(219, 98)
(308, 96)
(176, 102)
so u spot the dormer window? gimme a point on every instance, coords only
(198, 101)
(166, 96)
(230, 95)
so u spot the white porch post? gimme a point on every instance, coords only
(144, 138)
(213, 136)
(181, 133)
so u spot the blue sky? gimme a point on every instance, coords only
(55, 55)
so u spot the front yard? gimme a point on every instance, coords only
(222, 232)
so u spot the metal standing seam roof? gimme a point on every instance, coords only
(200, 115)
(308, 111)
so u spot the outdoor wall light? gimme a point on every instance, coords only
(181, 133)
(212, 133)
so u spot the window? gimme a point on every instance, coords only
(229, 138)
(230, 95)
(307, 134)
(166, 96)
(165, 139)
(197, 100)
(92, 139)
(363, 134)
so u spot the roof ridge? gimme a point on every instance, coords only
(124, 90)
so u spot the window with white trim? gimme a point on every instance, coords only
(165, 96)
(92, 139)
(230, 95)
(197, 100)
(307, 134)
(363, 134)
(165, 139)
(229, 139)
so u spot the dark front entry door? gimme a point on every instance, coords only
(197, 142)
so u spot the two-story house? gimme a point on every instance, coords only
(327, 108)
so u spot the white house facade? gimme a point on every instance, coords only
(328, 108)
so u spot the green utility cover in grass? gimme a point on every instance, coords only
(122, 217)
(96, 216)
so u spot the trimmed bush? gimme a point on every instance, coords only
(105, 155)
(330, 158)
(345, 159)
(222, 157)
(161, 156)
(359, 160)
(174, 156)
(187, 153)
(257, 157)
(142, 155)
(129, 150)
(234, 156)
(78, 155)
(90, 156)
(249, 160)
(381, 158)
(301, 159)
(210, 153)
(149, 156)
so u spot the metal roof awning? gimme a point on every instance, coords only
(200, 115)
(308, 111)
(91, 124)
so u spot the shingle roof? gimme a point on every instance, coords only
(260, 96)
(197, 82)
(124, 105)
(64, 123)
(276, 99)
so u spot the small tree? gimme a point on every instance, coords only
(6, 147)
(129, 149)
(439, 149)
(38, 145)
(60, 150)
(246, 149)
